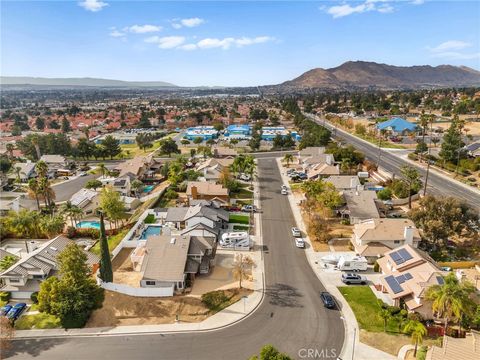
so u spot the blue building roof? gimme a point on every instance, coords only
(397, 124)
(237, 127)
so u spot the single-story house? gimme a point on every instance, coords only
(406, 274)
(473, 149)
(187, 217)
(397, 126)
(344, 182)
(170, 261)
(223, 152)
(212, 169)
(55, 162)
(374, 237)
(206, 191)
(24, 277)
(360, 205)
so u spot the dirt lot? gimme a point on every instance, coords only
(390, 343)
(120, 309)
(123, 271)
(341, 245)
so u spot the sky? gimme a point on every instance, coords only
(229, 43)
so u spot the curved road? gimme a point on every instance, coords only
(291, 316)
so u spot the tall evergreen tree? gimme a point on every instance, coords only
(106, 273)
(452, 143)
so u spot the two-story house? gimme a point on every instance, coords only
(24, 277)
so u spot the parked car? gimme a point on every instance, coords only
(296, 232)
(83, 173)
(284, 187)
(15, 311)
(299, 243)
(5, 309)
(350, 278)
(327, 300)
(249, 208)
(302, 176)
(234, 208)
(284, 192)
(245, 177)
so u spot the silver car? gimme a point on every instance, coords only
(296, 232)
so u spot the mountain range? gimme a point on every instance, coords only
(93, 82)
(352, 75)
(361, 75)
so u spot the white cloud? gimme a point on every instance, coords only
(116, 33)
(166, 42)
(93, 5)
(188, 47)
(381, 6)
(143, 29)
(417, 2)
(190, 22)
(454, 55)
(450, 45)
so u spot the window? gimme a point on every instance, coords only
(396, 241)
(14, 281)
(149, 283)
(38, 276)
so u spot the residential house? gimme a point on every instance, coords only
(311, 151)
(131, 203)
(199, 190)
(360, 205)
(86, 199)
(374, 237)
(212, 169)
(316, 164)
(188, 218)
(55, 163)
(467, 348)
(142, 167)
(123, 184)
(407, 273)
(473, 149)
(24, 277)
(26, 171)
(345, 182)
(172, 261)
(223, 152)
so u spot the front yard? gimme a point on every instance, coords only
(239, 219)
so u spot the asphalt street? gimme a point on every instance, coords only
(65, 190)
(437, 184)
(291, 316)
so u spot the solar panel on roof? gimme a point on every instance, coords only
(405, 254)
(440, 280)
(394, 285)
(395, 256)
(408, 276)
(400, 279)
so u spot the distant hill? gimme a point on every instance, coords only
(363, 75)
(21, 80)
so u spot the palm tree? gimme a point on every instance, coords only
(103, 169)
(412, 177)
(385, 315)
(136, 185)
(41, 168)
(10, 148)
(71, 211)
(451, 300)
(17, 170)
(34, 191)
(417, 331)
(36, 145)
(46, 191)
(52, 226)
(288, 158)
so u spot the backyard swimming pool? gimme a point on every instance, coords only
(151, 231)
(88, 224)
(148, 188)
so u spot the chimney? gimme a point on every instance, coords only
(408, 235)
(194, 192)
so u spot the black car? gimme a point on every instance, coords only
(327, 300)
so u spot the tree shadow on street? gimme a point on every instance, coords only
(283, 295)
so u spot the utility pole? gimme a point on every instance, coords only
(428, 159)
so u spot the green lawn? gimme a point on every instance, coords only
(37, 321)
(242, 193)
(113, 241)
(239, 219)
(383, 143)
(364, 304)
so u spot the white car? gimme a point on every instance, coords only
(296, 232)
(245, 177)
(284, 192)
(299, 243)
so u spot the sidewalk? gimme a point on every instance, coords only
(352, 331)
(225, 318)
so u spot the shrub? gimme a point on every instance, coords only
(34, 297)
(376, 267)
(413, 156)
(87, 232)
(150, 219)
(214, 300)
(5, 296)
(394, 310)
(71, 232)
(422, 353)
(385, 194)
(170, 194)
